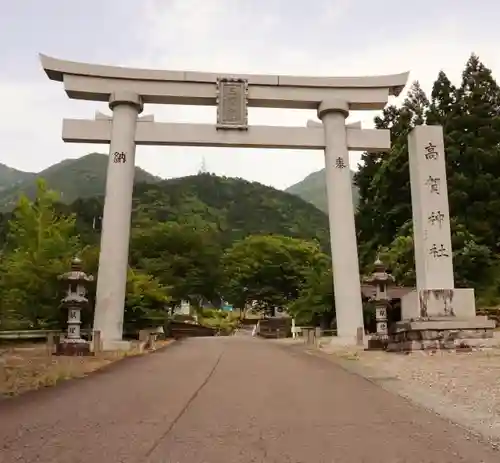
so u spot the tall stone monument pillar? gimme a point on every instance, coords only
(346, 277)
(113, 259)
(431, 218)
(435, 315)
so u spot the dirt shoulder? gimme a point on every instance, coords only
(29, 367)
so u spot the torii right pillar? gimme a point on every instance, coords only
(346, 279)
(436, 315)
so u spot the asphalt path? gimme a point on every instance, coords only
(227, 400)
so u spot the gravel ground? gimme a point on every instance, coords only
(227, 400)
(462, 386)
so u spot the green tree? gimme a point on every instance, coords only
(315, 304)
(384, 179)
(146, 302)
(181, 256)
(443, 104)
(269, 269)
(472, 134)
(473, 262)
(39, 246)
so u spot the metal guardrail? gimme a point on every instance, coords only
(301, 329)
(42, 334)
(329, 332)
(32, 334)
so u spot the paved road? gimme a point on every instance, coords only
(227, 400)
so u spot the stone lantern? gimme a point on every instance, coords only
(74, 302)
(380, 280)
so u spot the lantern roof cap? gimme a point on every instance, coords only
(379, 274)
(76, 273)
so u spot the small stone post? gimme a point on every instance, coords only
(360, 336)
(380, 280)
(311, 336)
(50, 344)
(151, 341)
(96, 342)
(317, 336)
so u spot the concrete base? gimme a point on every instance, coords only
(116, 345)
(442, 333)
(458, 302)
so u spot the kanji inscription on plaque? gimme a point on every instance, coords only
(232, 100)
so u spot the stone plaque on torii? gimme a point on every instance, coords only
(127, 90)
(232, 102)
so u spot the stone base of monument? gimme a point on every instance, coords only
(434, 333)
(458, 302)
(73, 348)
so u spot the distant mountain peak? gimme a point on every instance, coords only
(72, 178)
(313, 189)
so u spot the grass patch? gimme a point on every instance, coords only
(348, 355)
(30, 367)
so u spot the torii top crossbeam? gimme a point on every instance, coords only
(96, 82)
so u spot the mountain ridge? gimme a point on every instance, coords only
(10, 176)
(85, 177)
(72, 178)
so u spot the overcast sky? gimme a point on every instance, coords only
(304, 37)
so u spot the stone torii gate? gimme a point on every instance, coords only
(127, 90)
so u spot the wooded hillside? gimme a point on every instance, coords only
(236, 207)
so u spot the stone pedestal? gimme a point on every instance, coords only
(67, 347)
(435, 333)
(377, 342)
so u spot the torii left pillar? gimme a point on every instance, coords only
(115, 235)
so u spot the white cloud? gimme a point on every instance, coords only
(241, 36)
(31, 128)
